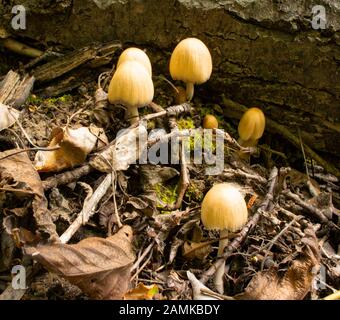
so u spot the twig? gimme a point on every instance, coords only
(143, 266)
(184, 181)
(235, 244)
(67, 177)
(88, 209)
(231, 141)
(21, 48)
(141, 258)
(268, 149)
(114, 187)
(27, 150)
(240, 173)
(270, 244)
(215, 294)
(315, 212)
(304, 154)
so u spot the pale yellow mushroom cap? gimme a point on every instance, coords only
(223, 207)
(138, 55)
(210, 122)
(131, 85)
(191, 62)
(252, 124)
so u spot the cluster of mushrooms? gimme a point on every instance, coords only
(132, 85)
(223, 208)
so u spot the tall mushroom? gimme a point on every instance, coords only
(138, 55)
(223, 209)
(251, 127)
(191, 62)
(132, 86)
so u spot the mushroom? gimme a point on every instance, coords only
(223, 209)
(138, 55)
(210, 122)
(251, 127)
(191, 62)
(132, 86)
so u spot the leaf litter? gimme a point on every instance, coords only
(170, 253)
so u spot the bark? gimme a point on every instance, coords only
(265, 53)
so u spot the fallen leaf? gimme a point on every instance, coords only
(18, 174)
(126, 149)
(142, 292)
(7, 251)
(99, 267)
(8, 116)
(75, 145)
(180, 289)
(295, 283)
(196, 250)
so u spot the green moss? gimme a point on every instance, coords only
(193, 193)
(185, 123)
(33, 99)
(167, 195)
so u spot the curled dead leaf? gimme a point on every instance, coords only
(8, 116)
(99, 267)
(126, 149)
(18, 176)
(75, 145)
(295, 283)
(196, 250)
(142, 292)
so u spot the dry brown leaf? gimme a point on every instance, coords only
(196, 250)
(126, 150)
(8, 116)
(295, 283)
(142, 292)
(99, 267)
(75, 145)
(18, 174)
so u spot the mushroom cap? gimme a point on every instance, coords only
(223, 207)
(138, 55)
(191, 61)
(210, 122)
(131, 85)
(252, 124)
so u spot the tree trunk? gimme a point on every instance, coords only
(265, 53)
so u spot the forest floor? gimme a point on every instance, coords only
(289, 249)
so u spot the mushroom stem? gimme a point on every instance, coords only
(132, 114)
(218, 280)
(246, 144)
(223, 243)
(190, 90)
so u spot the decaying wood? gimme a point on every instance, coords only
(71, 61)
(14, 89)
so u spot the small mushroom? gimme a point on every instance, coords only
(191, 62)
(251, 127)
(132, 86)
(210, 122)
(138, 55)
(223, 209)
